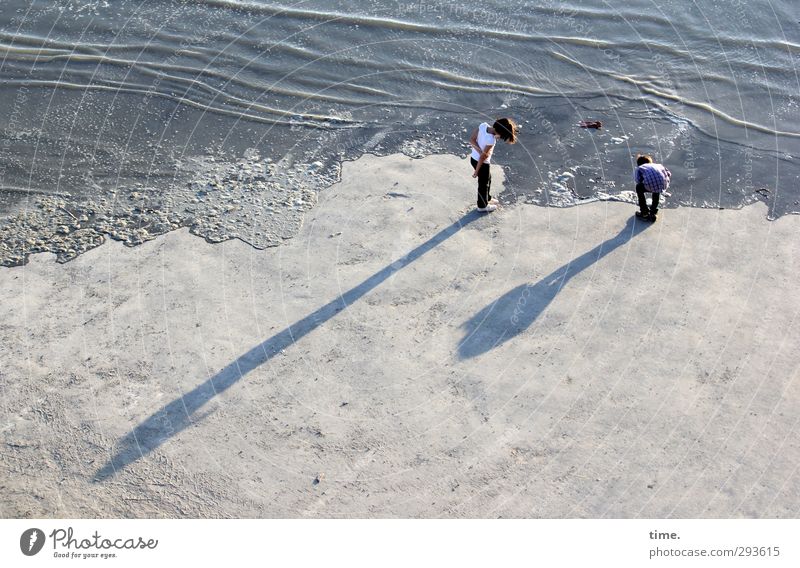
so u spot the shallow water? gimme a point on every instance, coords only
(109, 107)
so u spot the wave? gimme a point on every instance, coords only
(647, 87)
(293, 118)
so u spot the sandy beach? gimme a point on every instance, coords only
(404, 356)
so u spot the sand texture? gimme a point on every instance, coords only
(403, 356)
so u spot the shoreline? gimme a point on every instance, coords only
(404, 357)
(222, 200)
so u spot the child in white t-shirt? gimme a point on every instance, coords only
(482, 141)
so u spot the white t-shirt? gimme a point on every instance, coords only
(484, 139)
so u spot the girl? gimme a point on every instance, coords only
(482, 142)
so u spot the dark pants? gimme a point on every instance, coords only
(484, 183)
(640, 191)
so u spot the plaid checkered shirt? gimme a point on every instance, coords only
(655, 177)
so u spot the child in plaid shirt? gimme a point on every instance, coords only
(651, 178)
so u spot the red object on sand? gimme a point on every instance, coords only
(590, 124)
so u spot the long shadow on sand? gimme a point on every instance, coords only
(517, 309)
(176, 416)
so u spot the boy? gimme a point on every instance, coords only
(651, 178)
(482, 141)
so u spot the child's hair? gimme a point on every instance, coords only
(642, 159)
(507, 129)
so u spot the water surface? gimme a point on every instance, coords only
(132, 118)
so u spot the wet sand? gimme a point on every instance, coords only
(403, 356)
